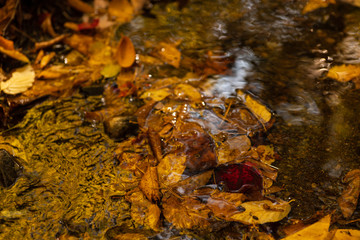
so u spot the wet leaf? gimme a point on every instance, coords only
(156, 94)
(45, 44)
(46, 59)
(171, 168)
(346, 234)
(266, 154)
(6, 44)
(187, 213)
(81, 6)
(187, 186)
(349, 197)
(149, 184)
(125, 52)
(110, 70)
(187, 92)
(260, 111)
(312, 5)
(233, 148)
(121, 9)
(168, 53)
(80, 42)
(15, 54)
(130, 236)
(345, 73)
(260, 212)
(316, 231)
(224, 204)
(21, 79)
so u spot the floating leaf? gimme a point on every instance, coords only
(233, 148)
(312, 5)
(259, 212)
(188, 213)
(22, 79)
(350, 195)
(125, 52)
(316, 231)
(149, 184)
(345, 73)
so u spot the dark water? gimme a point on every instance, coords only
(281, 56)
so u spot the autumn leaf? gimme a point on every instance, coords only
(149, 184)
(187, 92)
(125, 52)
(349, 197)
(79, 42)
(345, 73)
(168, 53)
(15, 54)
(187, 213)
(312, 5)
(21, 79)
(130, 236)
(6, 44)
(46, 59)
(316, 231)
(122, 10)
(110, 70)
(266, 154)
(171, 168)
(345, 234)
(188, 185)
(233, 148)
(156, 94)
(81, 6)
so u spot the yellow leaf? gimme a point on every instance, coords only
(110, 70)
(259, 212)
(81, 6)
(46, 59)
(312, 5)
(346, 234)
(171, 168)
(125, 52)
(188, 213)
(6, 44)
(168, 54)
(149, 184)
(344, 73)
(316, 231)
(224, 204)
(14, 54)
(79, 42)
(187, 92)
(121, 9)
(22, 79)
(156, 94)
(258, 109)
(130, 236)
(233, 148)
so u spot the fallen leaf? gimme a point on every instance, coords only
(187, 92)
(266, 154)
(138, 4)
(156, 94)
(188, 185)
(233, 148)
(46, 25)
(15, 54)
(346, 234)
(224, 204)
(6, 44)
(188, 213)
(312, 5)
(122, 10)
(345, 73)
(125, 52)
(171, 168)
(45, 44)
(46, 59)
(21, 79)
(81, 6)
(316, 231)
(110, 70)
(130, 236)
(349, 197)
(168, 53)
(149, 184)
(260, 212)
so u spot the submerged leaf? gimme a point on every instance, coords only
(345, 73)
(156, 94)
(349, 197)
(258, 109)
(110, 70)
(22, 79)
(125, 52)
(149, 184)
(168, 54)
(171, 168)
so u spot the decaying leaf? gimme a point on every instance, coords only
(22, 79)
(345, 73)
(316, 231)
(350, 195)
(125, 52)
(149, 184)
(171, 168)
(259, 212)
(15, 54)
(187, 213)
(121, 9)
(315, 4)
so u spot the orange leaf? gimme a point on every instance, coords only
(121, 9)
(125, 52)
(168, 54)
(6, 44)
(81, 6)
(149, 184)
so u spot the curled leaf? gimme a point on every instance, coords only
(125, 52)
(22, 79)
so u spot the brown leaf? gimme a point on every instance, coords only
(349, 197)
(155, 143)
(233, 148)
(7, 13)
(187, 92)
(125, 52)
(130, 236)
(45, 44)
(149, 184)
(187, 186)
(46, 59)
(187, 213)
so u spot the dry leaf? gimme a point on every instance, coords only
(188, 213)
(312, 5)
(15, 54)
(350, 195)
(266, 154)
(171, 168)
(316, 231)
(122, 10)
(149, 184)
(81, 6)
(258, 109)
(259, 212)
(168, 54)
(22, 79)
(125, 52)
